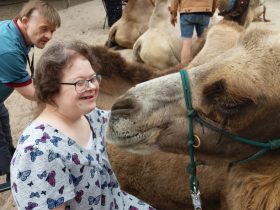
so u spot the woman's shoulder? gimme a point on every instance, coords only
(36, 133)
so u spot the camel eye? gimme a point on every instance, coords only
(224, 102)
(233, 107)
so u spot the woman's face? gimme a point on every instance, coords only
(71, 100)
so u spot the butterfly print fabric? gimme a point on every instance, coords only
(62, 172)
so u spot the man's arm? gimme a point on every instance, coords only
(13, 73)
(27, 91)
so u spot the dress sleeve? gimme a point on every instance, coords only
(40, 179)
(13, 68)
(99, 119)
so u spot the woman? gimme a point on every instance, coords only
(61, 160)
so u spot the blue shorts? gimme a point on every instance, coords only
(190, 20)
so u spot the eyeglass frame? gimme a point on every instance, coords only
(96, 78)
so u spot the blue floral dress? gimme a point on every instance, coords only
(49, 169)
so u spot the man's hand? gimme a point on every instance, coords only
(173, 19)
(27, 91)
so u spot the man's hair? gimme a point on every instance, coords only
(53, 64)
(44, 8)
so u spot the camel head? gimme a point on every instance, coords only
(237, 91)
(242, 11)
(160, 13)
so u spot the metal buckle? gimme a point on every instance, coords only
(196, 200)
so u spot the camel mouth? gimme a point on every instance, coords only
(135, 139)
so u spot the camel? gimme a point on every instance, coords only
(160, 45)
(238, 92)
(114, 83)
(133, 23)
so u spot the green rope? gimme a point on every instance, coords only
(192, 166)
(267, 146)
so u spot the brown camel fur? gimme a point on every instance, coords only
(133, 23)
(237, 91)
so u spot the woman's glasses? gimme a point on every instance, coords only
(82, 85)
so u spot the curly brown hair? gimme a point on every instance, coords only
(49, 69)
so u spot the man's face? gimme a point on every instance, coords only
(38, 30)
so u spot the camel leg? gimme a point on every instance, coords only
(264, 14)
(111, 42)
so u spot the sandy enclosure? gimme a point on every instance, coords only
(83, 20)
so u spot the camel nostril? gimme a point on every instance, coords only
(124, 106)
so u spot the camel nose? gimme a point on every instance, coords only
(124, 107)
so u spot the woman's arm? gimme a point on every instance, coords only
(61, 207)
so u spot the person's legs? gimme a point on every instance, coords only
(6, 145)
(186, 33)
(202, 23)
(186, 52)
(113, 10)
(5, 120)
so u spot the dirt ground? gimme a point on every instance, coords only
(83, 20)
